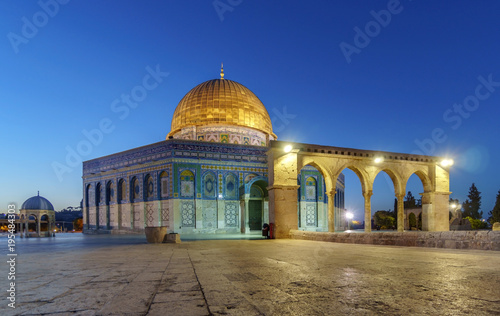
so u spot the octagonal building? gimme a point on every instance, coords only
(209, 176)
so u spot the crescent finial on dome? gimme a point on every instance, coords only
(222, 70)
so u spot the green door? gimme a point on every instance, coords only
(255, 214)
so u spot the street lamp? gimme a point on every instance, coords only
(288, 148)
(447, 162)
(349, 216)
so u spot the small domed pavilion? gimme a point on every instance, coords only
(40, 209)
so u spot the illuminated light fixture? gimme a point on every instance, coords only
(378, 159)
(447, 162)
(349, 216)
(288, 148)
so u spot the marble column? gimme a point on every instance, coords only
(368, 211)
(401, 213)
(331, 211)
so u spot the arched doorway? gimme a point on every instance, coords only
(255, 208)
(257, 201)
(32, 224)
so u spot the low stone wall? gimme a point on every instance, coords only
(481, 240)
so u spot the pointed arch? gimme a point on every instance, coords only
(209, 185)
(110, 192)
(362, 176)
(327, 176)
(135, 192)
(148, 188)
(231, 186)
(122, 191)
(396, 180)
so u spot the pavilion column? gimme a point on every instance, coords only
(49, 226)
(38, 225)
(331, 211)
(401, 212)
(23, 230)
(368, 211)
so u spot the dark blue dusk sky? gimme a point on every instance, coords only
(432, 68)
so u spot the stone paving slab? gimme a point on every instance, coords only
(268, 277)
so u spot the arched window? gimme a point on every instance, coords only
(164, 184)
(187, 183)
(209, 185)
(311, 188)
(311, 207)
(110, 193)
(230, 186)
(122, 191)
(135, 189)
(88, 196)
(148, 187)
(98, 194)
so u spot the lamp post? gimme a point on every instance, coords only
(349, 217)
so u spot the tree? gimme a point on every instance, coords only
(495, 212)
(78, 224)
(477, 223)
(472, 205)
(410, 200)
(412, 220)
(395, 213)
(383, 219)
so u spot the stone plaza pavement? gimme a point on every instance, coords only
(255, 277)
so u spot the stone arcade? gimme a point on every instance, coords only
(221, 170)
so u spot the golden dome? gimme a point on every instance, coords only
(221, 102)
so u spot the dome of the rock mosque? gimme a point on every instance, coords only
(37, 202)
(217, 103)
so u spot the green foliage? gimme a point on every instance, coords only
(384, 219)
(472, 205)
(410, 201)
(495, 212)
(477, 223)
(412, 220)
(78, 224)
(395, 213)
(420, 221)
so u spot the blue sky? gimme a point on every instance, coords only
(401, 81)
